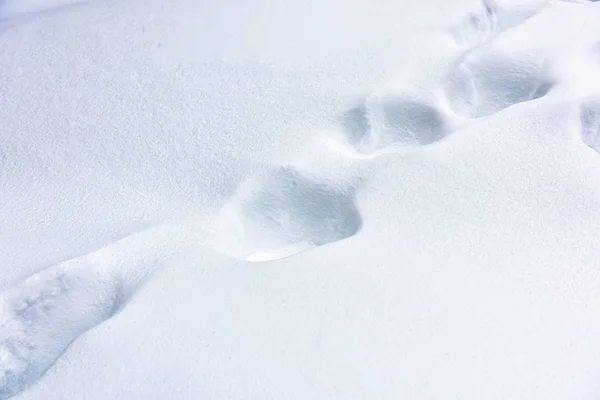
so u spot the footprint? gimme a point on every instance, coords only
(389, 120)
(589, 117)
(485, 82)
(477, 27)
(283, 212)
(42, 316)
(491, 17)
(355, 123)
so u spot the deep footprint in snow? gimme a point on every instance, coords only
(589, 118)
(42, 316)
(283, 212)
(485, 82)
(491, 17)
(390, 120)
(477, 27)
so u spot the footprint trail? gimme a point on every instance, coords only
(282, 211)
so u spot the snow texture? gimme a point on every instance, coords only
(312, 200)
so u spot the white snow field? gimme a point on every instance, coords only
(268, 199)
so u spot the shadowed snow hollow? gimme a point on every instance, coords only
(43, 315)
(487, 81)
(397, 119)
(590, 123)
(491, 17)
(282, 212)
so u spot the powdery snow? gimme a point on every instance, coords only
(310, 200)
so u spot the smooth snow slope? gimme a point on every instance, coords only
(422, 178)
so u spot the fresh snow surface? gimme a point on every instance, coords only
(328, 199)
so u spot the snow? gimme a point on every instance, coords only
(299, 200)
(282, 213)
